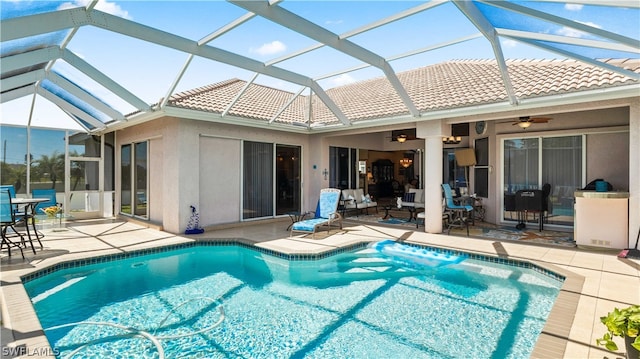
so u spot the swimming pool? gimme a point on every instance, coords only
(357, 304)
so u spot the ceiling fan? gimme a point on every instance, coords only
(526, 121)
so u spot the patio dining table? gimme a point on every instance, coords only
(29, 206)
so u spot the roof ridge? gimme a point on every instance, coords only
(208, 88)
(202, 89)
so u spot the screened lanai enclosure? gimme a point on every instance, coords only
(287, 97)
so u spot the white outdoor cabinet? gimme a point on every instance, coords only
(602, 219)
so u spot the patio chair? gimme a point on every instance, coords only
(326, 215)
(460, 214)
(10, 188)
(356, 199)
(20, 213)
(8, 221)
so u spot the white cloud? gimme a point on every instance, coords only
(573, 7)
(103, 5)
(270, 48)
(509, 43)
(567, 31)
(343, 79)
(333, 22)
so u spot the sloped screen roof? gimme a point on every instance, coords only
(85, 66)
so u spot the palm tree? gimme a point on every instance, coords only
(52, 166)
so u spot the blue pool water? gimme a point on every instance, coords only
(359, 304)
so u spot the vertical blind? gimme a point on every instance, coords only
(258, 180)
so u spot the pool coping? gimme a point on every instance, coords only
(551, 342)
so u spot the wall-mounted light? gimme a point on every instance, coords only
(451, 140)
(401, 138)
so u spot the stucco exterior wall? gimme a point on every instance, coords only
(200, 162)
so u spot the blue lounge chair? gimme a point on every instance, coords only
(460, 214)
(326, 214)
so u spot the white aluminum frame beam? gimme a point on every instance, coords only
(30, 58)
(284, 107)
(228, 27)
(632, 4)
(68, 107)
(395, 17)
(104, 80)
(614, 46)
(305, 27)
(175, 82)
(399, 16)
(238, 95)
(30, 25)
(476, 17)
(48, 54)
(606, 66)
(403, 55)
(149, 34)
(22, 80)
(564, 22)
(237, 22)
(84, 96)
(65, 19)
(17, 93)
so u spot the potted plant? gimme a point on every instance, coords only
(623, 323)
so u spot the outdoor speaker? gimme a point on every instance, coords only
(465, 157)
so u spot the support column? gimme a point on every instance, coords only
(432, 132)
(634, 172)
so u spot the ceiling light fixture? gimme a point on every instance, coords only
(406, 162)
(451, 140)
(524, 124)
(401, 138)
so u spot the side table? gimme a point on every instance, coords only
(295, 216)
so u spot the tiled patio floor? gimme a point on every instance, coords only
(596, 281)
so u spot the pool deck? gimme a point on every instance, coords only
(596, 281)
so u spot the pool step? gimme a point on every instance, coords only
(369, 261)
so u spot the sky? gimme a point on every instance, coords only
(148, 70)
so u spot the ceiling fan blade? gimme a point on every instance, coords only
(539, 119)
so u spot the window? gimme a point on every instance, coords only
(481, 169)
(452, 173)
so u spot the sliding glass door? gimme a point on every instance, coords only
(343, 167)
(133, 179)
(562, 168)
(529, 163)
(271, 179)
(258, 180)
(288, 179)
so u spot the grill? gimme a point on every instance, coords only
(529, 201)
